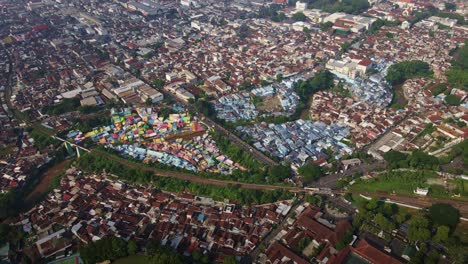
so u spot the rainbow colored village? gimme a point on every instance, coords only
(178, 140)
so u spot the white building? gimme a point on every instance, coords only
(301, 6)
(421, 191)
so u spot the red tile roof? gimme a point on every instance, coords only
(373, 254)
(277, 252)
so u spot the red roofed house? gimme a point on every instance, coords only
(41, 27)
(277, 253)
(365, 251)
(363, 66)
(319, 232)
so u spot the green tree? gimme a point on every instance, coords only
(419, 159)
(4, 233)
(401, 216)
(347, 6)
(347, 238)
(229, 260)
(132, 247)
(299, 16)
(314, 199)
(383, 222)
(322, 80)
(458, 77)
(452, 100)
(402, 71)
(310, 172)
(264, 83)
(450, 6)
(159, 83)
(442, 234)
(104, 249)
(278, 173)
(65, 106)
(440, 88)
(373, 204)
(394, 156)
(199, 257)
(444, 215)
(325, 26)
(243, 31)
(279, 77)
(389, 209)
(345, 47)
(419, 229)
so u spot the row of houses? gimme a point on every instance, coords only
(183, 221)
(300, 141)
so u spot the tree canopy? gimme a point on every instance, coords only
(444, 215)
(278, 173)
(97, 163)
(419, 229)
(417, 159)
(310, 172)
(450, 6)
(458, 74)
(442, 234)
(159, 83)
(393, 156)
(299, 16)
(402, 71)
(65, 106)
(347, 6)
(271, 12)
(440, 88)
(322, 80)
(105, 249)
(452, 100)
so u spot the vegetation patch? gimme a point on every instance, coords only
(402, 71)
(96, 164)
(394, 182)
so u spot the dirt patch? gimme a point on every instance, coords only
(399, 101)
(270, 104)
(46, 179)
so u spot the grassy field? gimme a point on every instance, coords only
(399, 183)
(406, 182)
(135, 259)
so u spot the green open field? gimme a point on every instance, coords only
(406, 182)
(394, 182)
